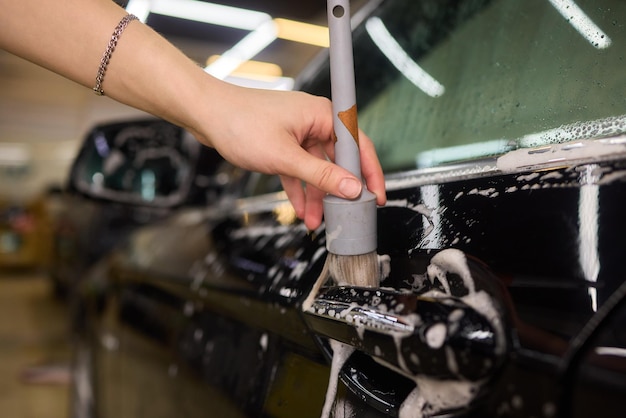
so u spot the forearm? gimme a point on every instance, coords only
(70, 36)
(285, 133)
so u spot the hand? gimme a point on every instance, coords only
(291, 134)
(284, 133)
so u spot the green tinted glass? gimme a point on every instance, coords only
(441, 81)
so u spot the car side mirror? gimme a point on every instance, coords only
(147, 162)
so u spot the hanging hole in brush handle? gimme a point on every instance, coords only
(343, 89)
(338, 11)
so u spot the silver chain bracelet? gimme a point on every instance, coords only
(104, 62)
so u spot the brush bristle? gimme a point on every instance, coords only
(354, 270)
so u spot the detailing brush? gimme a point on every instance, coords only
(350, 224)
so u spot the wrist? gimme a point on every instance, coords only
(209, 108)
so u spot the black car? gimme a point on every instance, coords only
(501, 128)
(126, 174)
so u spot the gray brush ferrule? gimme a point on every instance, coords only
(351, 224)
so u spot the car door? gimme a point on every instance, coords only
(501, 242)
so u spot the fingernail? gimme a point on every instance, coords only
(349, 187)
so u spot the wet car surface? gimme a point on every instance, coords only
(500, 125)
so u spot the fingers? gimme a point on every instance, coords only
(314, 207)
(335, 180)
(371, 169)
(295, 193)
(293, 137)
(308, 204)
(310, 164)
(322, 177)
(326, 176)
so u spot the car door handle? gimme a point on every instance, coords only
(440, 337)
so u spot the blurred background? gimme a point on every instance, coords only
(43, 120)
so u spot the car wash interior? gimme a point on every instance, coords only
(143, 275)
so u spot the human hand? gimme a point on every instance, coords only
(290, 134)
(284, 133)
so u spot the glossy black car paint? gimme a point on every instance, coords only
(233, 280)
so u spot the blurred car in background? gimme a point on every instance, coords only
(131, 174)
(501, 127)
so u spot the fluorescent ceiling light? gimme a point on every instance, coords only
(139, 8)
(400, 59)
(582, 23)
(232, 17)
(256, 68)
(611, 351)
(244, 50)
(302, 32)
(434, 157)
(588, 214)
(215, 14)
(263, 29)
(257, 74)
(270, 83)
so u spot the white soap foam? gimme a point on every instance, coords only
(453, 261)
(343, 409)
(430, 395)
(436, 335)
(558, 154)
(341, 353)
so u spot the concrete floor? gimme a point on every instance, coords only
(33, 333)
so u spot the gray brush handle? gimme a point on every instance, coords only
(350, 224)
(343, 92)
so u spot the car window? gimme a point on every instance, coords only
(437, 83)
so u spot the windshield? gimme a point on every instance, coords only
(441, 81)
